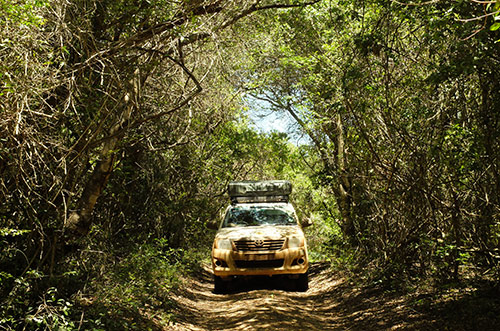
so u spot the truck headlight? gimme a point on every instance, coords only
(224, 244)
(294, 242)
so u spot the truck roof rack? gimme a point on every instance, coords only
(259, 191)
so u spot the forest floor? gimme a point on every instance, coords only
(331, 303)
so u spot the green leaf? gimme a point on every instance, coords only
(495, 27)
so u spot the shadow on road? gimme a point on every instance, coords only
(331, 303)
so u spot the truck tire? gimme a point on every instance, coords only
(220, 286)
(302, 283)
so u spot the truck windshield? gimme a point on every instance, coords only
(255, 216)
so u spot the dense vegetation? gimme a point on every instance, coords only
(400, 102)
(121, 123)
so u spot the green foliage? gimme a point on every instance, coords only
(136, 285)
(52, 313)
(28, 306)
(5, 232)
(495, 11)
(396, 103)
(23, 12)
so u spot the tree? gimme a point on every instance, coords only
(396, 103)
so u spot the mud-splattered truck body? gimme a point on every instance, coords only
(260, 234)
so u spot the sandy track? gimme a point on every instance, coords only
(272, 304)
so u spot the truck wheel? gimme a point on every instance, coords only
(302, 282)
(220, 286)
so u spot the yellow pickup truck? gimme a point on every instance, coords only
(259, 234)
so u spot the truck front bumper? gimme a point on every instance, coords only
(227, 263)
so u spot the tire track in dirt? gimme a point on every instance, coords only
(272, 304)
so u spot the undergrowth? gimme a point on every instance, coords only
(97, 290)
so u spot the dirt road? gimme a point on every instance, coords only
(272, 304)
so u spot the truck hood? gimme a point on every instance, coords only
(260, 232)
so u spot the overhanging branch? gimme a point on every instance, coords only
(158, 115)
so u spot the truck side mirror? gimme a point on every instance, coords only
(212, 225)
(306, 222)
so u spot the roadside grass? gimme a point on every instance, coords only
(134, 292)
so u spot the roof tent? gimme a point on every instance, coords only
(260, 191)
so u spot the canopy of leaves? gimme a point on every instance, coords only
(121, 123)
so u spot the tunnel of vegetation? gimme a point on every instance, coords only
(121, 123)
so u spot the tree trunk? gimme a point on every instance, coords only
(345, 196)
(80, 220)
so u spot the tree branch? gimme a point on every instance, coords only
(183, 103)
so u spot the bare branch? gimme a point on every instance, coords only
(480, 17)
(416, 3)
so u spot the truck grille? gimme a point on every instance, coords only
(259, 245)
(259, 264)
